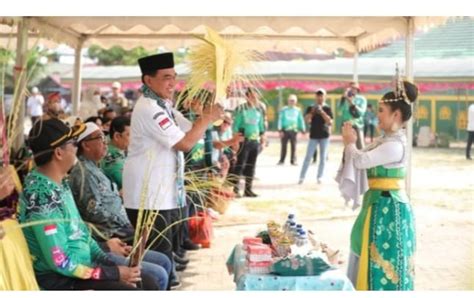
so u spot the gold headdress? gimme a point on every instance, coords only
(399, 89)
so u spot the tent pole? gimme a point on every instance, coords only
(355, 67)
(409, 52)
(76, 89)
(20, 76)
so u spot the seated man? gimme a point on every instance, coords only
(112, 163)
(65, 255)
(100, 204)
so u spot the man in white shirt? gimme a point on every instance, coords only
(35, 105)
(117, 100)
(154, 168)
(470, 130)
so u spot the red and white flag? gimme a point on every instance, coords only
(50, 230)
(165, 123)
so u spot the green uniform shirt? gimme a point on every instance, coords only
(250, 121)
(360, 104)
(59, 241)
(291, 118)
(112, 164)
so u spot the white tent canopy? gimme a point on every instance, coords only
(260, 33)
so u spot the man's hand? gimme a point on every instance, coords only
(6, 182)
(281, 134)
(130, 275)
(119, 247)
(213, 113)
(238, 138)
(263, 141)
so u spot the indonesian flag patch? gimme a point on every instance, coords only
(165, 123)
(50, 230)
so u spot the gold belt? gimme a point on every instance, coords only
(386, 183)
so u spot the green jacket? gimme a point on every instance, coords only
(58, 239)
(291, 118)
(250, 121)
(360, 105)
(112, 164)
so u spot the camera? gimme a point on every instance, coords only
(350, 94)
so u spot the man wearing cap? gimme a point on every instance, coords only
(65, 255)
(35, 105)
(249, 120)
(319, 117)
(290, 121)
(352, 107)
(53, 106)
(117, 100)
(100, 204)
(153, 177)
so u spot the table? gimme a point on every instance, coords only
(331, 280)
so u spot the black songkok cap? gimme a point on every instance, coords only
(52, 133)
(153, 63)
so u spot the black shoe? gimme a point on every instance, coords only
(189, 245)
(179, 267)
(175, 283)
(179, 260)
(181, 253)
(469, 158)
(280, 163)
(250, 193)
(294, 164)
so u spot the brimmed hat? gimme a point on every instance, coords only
(54, 96)
(321, 91)
(52, 133)
(293, 97)
(153, 63)
(116, 85)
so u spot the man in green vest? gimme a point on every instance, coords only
(290, 121)
(353, 107)
(112, 163)
(249, 120)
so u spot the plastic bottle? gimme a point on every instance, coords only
(291, 218)
(303, 244)
(292, 234)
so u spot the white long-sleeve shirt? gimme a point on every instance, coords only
(470, 118)
(387, 151)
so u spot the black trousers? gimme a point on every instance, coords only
(246, 161)
(360, 144)
(288, 135)
(55, 281)
(371, 129)
(470, 140)
(163, 232)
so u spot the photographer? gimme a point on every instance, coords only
(353, 107)
(319, 117)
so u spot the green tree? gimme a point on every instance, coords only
(116, 55)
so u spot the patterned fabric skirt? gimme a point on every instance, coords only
(16, 269)
(386, 258)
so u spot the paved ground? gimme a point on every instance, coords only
(445, 254)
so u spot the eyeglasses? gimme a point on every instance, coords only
(100, 137)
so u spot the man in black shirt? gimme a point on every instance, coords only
(319, 117)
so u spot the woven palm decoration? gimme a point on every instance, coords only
(216, 63)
